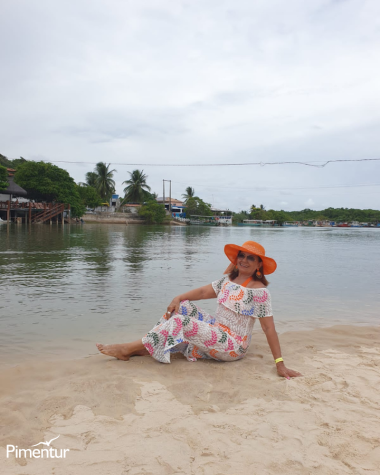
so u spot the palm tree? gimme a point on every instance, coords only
(104, 182)
(136, 190)
(190, 192)
(91, 179)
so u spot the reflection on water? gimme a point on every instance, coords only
(64, 287)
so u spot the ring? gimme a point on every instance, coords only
(167, 312)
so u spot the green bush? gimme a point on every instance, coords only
(153, 212)
(89, 196)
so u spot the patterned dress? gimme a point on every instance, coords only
(197, 334)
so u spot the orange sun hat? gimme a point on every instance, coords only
(251, 247)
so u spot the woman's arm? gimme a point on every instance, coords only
(202, 293)
(267, 324)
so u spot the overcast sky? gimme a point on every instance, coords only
(204, 82)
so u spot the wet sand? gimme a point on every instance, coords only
(143, 417)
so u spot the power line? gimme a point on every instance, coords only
(313, 163)
(253, 189)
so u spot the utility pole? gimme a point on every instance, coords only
(170, 194)
(170, 197)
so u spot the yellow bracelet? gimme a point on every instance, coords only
(278, 360)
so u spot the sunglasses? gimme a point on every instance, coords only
(249, 257)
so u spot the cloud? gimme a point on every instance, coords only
(198, 82)
(105, 126)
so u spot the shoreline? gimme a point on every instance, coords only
(121, 219)
(145, 417)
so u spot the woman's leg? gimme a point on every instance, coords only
(166, 330)
(124, 351)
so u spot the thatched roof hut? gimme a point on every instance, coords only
(14, 189)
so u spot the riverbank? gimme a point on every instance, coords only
(206, 417)
(121, 218)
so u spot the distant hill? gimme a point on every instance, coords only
(5, 162)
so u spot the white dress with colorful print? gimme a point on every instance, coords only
(197, 334)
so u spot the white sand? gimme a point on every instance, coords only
(143, 417)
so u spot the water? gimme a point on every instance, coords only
(62, 288)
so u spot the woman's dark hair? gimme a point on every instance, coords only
(232, 275)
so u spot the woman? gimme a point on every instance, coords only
(242, 297)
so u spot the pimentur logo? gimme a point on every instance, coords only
(38, 453)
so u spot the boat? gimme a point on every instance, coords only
(251, 222)
(342, 225)
(291, 223)
(270, 222)
(324, 224)
(204, 220)
(355, 224)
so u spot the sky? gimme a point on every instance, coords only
(145, 83)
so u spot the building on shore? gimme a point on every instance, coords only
(108, 207)
(222, 216)
(15, 206)
(172, 204)
(131, 208)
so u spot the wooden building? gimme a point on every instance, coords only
(26, 211)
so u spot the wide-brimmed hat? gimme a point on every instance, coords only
(232, 251)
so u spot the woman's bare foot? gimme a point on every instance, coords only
(120, 351)
(124, 351)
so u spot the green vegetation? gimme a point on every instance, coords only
(239, 217)
(137, 190)
(3, 178)
(89, 196)
(91, 178)
(337, 215)
(196, 206)
(47, 182)
(5, 162)
(153, 212)
(189, 193)
(330, 214)
(104, 182)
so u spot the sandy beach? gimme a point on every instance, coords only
(143, 417)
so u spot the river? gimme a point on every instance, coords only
(63, 288)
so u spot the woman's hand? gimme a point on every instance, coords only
(282, 370)
(173, 306)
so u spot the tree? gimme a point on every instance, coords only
(196, 206)
(153, 212)
(5, 162)
(280, 216)
(257, 213)
(3, 178)
(239, 217)
(104, 180)
(89, 196)
(91, 178)
(190, 193)
(47, 182)
(136, 191)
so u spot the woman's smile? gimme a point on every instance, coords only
(246, 262)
